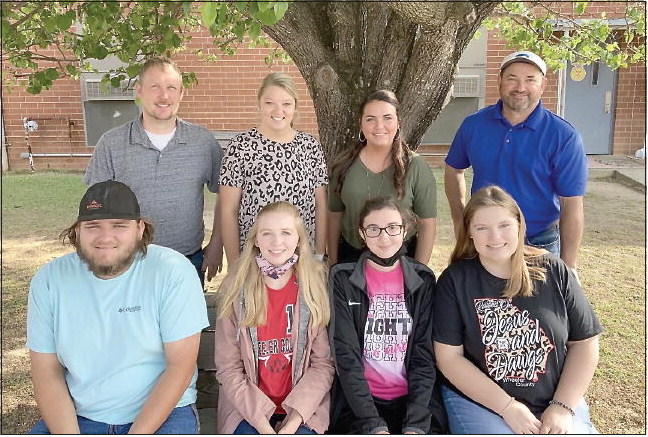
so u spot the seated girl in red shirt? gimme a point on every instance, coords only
(272, 351)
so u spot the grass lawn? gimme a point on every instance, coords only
(36, 207)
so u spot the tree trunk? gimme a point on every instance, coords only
(344, 50)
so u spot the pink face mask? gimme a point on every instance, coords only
(272, 271)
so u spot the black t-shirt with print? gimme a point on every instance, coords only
(519, 343)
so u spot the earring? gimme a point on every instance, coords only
(361, 137)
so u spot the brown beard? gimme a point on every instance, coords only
(108, 271)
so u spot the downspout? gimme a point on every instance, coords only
(562, 87)
(5, 159)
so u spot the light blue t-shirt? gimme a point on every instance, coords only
(109, 334)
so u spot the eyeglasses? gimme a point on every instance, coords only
(391, 230)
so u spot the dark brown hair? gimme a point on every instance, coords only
(387, 202)
(70, 234)
(400, 153)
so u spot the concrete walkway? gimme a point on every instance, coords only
(626, 170)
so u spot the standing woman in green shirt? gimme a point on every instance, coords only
(379, 164)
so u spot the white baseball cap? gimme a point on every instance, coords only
(524, 56)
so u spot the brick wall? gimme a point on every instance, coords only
(630, 115)
(225, 100)
(629, 130)
(59, 115)
(225, 97)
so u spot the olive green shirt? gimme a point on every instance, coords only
(361, 184)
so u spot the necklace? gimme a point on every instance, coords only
(365, 162)
(378, 191)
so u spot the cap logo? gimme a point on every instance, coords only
(522, 55)
(94, 205)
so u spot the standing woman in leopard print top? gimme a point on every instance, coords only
(272, 162)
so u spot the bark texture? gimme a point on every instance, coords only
(345, 50)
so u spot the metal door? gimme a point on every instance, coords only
(590, 106)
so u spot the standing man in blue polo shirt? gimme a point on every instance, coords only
(530, 152)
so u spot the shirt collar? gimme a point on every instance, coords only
(138, 134)
(533, 120)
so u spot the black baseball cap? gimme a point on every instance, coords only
(109, 200)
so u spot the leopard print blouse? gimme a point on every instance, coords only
(267, 171)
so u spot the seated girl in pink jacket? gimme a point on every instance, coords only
(272, 352)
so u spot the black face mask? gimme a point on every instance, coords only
(388, 262)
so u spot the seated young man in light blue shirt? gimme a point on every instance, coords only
(114, 328)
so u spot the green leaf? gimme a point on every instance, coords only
(254, 31)
(72, 70)
(239, 29)
(51, 74)
(280, 9)
(64, 22)
(99, 52)
(209, 12)
(133, 70)
(222, 17)
(34, 88)
(263, 6)
(241, 6)
(189, 79)
(580, 7)
(116, 81)
(175, 41)
(253, 9)
(267, 17)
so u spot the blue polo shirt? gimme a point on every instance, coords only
(535, 161)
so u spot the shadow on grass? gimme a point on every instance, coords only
(19, 419)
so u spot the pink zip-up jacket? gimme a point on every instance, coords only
(239, 396)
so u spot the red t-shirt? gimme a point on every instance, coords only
(274, 343)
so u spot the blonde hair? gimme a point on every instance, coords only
(160, 62)
(283, 81)
(244, 281)
(526, 262)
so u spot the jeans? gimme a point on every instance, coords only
(468, 417)
(182, 420)
(196, 259)
(245, 428)
(549, 240)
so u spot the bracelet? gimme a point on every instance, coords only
(560, 404)
(507, 405)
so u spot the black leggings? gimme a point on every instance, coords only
(392, 412)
